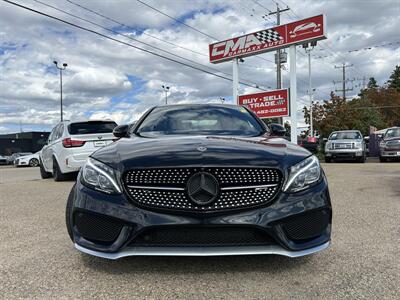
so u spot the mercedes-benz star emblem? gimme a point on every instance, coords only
(201, 148)
(202, 188)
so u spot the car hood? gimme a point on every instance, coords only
(138, 152)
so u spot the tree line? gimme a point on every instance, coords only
(377, 106)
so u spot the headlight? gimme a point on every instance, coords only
(328, 146)
(358, 145)
(101, 177)
(382, 144)
(303, 175)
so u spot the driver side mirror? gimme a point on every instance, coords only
(325, 139)
(121, 131)
(277, 129)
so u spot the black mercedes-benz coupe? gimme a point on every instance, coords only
(200, 180)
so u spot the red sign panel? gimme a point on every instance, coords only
(269, 104)
(299, 32)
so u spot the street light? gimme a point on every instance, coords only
(64, 66)
(166, 90)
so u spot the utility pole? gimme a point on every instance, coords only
(344, 89)
(166, 90)
(278, 53)
(64, 66)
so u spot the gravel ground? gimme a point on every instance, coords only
(37, 259)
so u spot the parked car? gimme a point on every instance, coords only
(389, 147)
(70, 144)
(3, 160)
(31, 160)
(14, 156)
(311, 144)
(200, 180)
(345, 145)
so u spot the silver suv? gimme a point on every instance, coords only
(70, 144)
(346, 145)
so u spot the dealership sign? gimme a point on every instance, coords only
(299, 32)
(271, 104)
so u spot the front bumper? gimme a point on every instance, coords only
(344, 153)
(202, 251)
(390, 153)
(269, 219)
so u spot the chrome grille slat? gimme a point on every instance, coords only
(166, 188)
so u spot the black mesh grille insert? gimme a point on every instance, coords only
(202, 236)
(308, 225)
(169, 187)
(96, 228)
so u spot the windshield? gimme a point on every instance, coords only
(345, 135)
(91, 127)
(199, 120)
(393, 132)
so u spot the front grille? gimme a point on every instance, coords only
(96, 228)
(308, 225)
(166, 188)
(174, 236)
(342, 146)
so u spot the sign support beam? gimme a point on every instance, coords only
(235, 77)
(293, 94)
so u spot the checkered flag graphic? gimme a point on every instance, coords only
(268, 35)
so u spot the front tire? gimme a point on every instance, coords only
(34, 162)
(57, 174)
(68, 213)
(328, 159)
(362, 159)
(382, 159)
(43, 172)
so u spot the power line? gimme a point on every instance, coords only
(133, 39)
(129, 27)
(175, 19)
(119, 41)
(364, 48)
(183, 23)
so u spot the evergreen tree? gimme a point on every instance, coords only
(372, 84)
(394, 79)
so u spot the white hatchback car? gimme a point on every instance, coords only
(70, 144)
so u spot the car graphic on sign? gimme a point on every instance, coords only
(305, 29)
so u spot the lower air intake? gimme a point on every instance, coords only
(308, 225)
(95, 228)
(202, 236)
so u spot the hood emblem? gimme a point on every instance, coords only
(99, 137)
(202, 188)
(202, 149)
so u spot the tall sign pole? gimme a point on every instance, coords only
(293, 94)
(310, 93)
(235, 77)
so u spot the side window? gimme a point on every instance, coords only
(59, 132)
(52, 134)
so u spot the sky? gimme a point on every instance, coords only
(106, 79)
